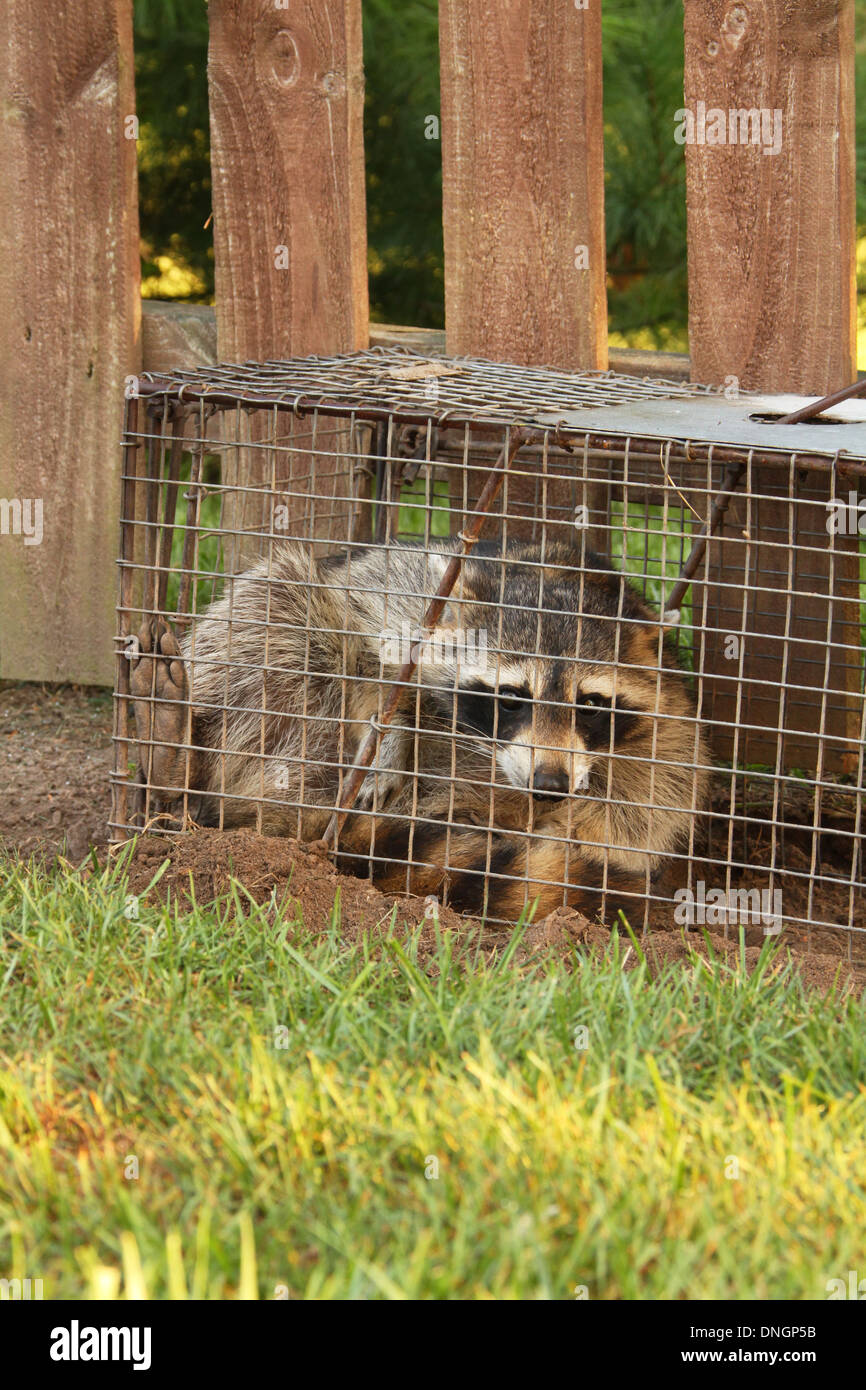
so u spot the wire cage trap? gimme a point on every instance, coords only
(513, 637)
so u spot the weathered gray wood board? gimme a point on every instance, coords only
(178, 335)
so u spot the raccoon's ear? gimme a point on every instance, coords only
(648, 640)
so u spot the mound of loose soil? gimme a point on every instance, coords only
(204, 863)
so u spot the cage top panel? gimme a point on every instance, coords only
(400, 383)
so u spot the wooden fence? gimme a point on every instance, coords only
(770, 235)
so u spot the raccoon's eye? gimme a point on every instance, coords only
(592, 701)
(511, 700)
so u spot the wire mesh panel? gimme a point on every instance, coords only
(515, 638)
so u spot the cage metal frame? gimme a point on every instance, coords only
(382, 417)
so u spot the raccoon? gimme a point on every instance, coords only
(546, 750)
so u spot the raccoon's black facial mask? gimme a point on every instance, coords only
(509, 710)
(480, 710)
(593, 716)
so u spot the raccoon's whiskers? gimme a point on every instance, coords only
(473, 741)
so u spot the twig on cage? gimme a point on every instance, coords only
(127, 581)
(379, 448)
(120, 845)
(669, 480)
(733, 474)
(373, 737)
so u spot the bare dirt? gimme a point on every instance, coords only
(55, 749)
(55, 752)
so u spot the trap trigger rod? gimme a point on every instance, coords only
(809, 412)
(372, 738)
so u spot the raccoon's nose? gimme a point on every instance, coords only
(549, 781)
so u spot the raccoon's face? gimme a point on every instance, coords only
(551, 724)
(555, 719)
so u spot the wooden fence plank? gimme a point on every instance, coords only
(523, 181)
(772, 296)
(786, 665)
(290, 240)
(287, 158)
(69, 327)
(523, 204)
(771, 240)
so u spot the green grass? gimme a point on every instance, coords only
(416, 505)
(301, 1168)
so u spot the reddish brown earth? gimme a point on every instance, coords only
(55, 748)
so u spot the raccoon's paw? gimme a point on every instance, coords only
(160, 691)
(157, 668)
(377, 789)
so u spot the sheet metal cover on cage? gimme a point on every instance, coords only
(746, 421)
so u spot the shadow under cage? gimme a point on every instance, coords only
(515, 638)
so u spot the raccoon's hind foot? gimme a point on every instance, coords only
(160, 691)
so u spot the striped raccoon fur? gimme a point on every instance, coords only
(565, 777)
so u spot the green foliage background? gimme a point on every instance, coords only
(645, 182)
